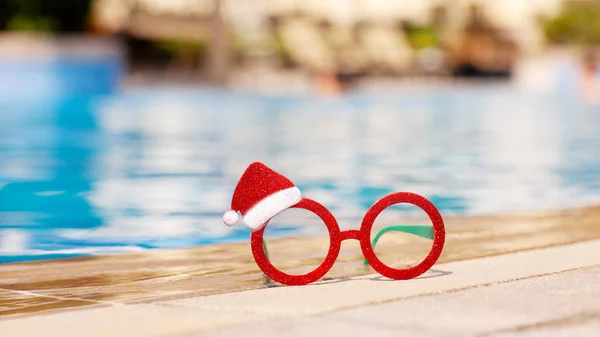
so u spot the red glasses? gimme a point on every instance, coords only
(262, 193)
(336, 236)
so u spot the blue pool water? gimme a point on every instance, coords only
(154, 168)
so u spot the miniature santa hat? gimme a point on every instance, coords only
(261, 194)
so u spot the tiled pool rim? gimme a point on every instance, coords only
(39, 287)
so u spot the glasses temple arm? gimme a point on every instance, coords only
(422, 231)
(267, 279)
(265, 249)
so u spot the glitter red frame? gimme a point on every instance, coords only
(363, 235)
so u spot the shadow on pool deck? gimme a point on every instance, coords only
(34, 287)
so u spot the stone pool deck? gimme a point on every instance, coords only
(528, 274)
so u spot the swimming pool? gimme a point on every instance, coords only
(155, 168)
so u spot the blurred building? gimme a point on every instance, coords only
(340, 36)
(157, 17)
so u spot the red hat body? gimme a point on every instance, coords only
(257, 183)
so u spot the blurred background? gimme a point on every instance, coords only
(125, 124)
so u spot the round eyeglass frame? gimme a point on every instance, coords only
(336, 236)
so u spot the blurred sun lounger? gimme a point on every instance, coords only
(306, 45)
(386, 48)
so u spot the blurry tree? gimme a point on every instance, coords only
(44, 15)
(185, 54)
(576, 24)
(420, 37)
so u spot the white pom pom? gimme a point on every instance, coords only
(230, 218)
